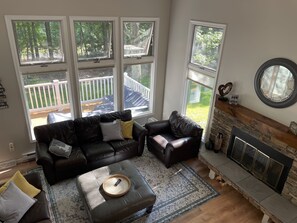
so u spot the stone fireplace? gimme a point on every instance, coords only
(264, 147)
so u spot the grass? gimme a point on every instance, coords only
(199, 113)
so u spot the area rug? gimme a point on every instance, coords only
(178, 190)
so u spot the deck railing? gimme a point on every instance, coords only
(55, 94)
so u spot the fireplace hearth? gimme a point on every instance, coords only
(265, 163)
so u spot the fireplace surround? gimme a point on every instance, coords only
(269, 132)
(265, 163)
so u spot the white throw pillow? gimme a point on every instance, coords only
(59, 148)
(111, 130)
(14, 203)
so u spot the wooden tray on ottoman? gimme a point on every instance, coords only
(116, 185)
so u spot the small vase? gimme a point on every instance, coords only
(218, 142)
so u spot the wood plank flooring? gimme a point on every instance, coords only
(230, 206)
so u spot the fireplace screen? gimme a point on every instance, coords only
(256, 162)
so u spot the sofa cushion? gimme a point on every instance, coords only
(76, 159)
(14, 203)
(111, 130)
(127, 129)
(63, 131)
(123, 115)
(88, 129)
(21, 182)
(124, 145)
(97, 151)
(181, 126)
(59, 148)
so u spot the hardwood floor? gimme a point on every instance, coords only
(230, 206)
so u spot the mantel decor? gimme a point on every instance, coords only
(224, 89)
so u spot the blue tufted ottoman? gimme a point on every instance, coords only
(103, 208)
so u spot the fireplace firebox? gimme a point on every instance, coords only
(265, 163)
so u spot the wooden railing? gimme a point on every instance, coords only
(55, 94)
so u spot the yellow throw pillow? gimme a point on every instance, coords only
(127, 128)
(21, 182)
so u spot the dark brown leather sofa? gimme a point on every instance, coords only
(88, 149)
(175, 139)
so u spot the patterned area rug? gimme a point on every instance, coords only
(178, 190)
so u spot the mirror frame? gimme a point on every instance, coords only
(291, 66)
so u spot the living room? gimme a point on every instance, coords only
(255, 32)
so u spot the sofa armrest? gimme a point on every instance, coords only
(155, 128)
(42, 155)
(139, 133)
(180, 143)
(34, 179)
(45, 159)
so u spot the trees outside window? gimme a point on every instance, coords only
(139, 63)
(204, 53)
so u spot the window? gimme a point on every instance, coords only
(42, 62)
(139, 63)
(94, 47)
(204, 52)
(58, 83)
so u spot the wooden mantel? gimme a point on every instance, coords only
(258, 121)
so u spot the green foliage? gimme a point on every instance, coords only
(38, 40)
(94, 39)
(206, 44)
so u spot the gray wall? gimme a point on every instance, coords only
(256, 32)
(12, 121)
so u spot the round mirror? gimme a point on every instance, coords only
(276, 82)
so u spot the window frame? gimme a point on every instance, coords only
(141, 60)
(39, 68)
(88, 64)
(201, 69)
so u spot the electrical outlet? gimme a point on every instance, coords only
(11, 147)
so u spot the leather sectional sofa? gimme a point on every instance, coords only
(175, 139)
(89, 151)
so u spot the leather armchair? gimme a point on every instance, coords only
(175, 139)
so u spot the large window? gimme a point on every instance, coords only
(64, 76)
(40, 57)
(204, 51)
(93, 40)
(139, 63)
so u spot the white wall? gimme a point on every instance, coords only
(12, 121)
(256, 32)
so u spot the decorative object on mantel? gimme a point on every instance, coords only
(218, 142)
(3, 103)
(224, 89)
(293, 127)
(233, 100)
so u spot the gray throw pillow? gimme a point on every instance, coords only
(111, 130)
(59, 148)
(14, 203)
